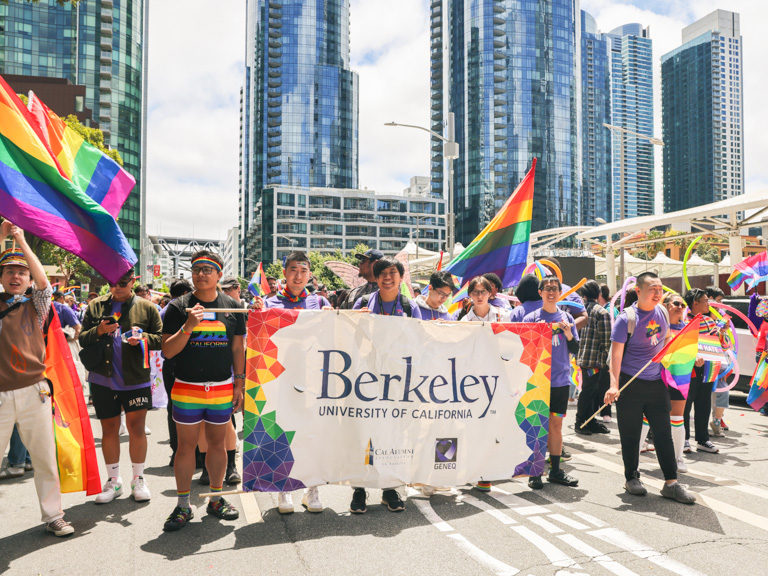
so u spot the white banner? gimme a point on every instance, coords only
(376, 401)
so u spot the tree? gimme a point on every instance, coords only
(318, 268)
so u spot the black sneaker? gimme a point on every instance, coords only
(178, 519)
(358, 501)
(232, 476)
(392, 500)
(561, 477)
(222, 509)
(598, 427)
(535, 483)
(204, 479)
(583, 431)
(565, 456)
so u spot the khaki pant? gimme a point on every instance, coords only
(35, 423)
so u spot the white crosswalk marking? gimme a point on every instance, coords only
(474, 552)
(552, 552)
(426, 508)
(546, 524)
(596, 555)
(485, 507)
(568, 522)
(591, 519)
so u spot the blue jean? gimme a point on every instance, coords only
(17, 452)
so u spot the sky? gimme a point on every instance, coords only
(196, 63)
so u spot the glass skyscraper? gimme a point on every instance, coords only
(632, 109)
(100, 44)
(512, 79)
(299, 110)
(596, 110)
(702, 114)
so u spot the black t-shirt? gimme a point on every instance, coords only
(207, 356)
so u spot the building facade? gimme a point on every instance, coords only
(326, 220)
(512, 78)
(100, 44)
(702, 113)
(596, 110)
(632, 109)
(231, 253)
(299, 110)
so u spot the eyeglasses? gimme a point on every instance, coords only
(478, 293)
(441, 295)
(204, 270)
(551, 289)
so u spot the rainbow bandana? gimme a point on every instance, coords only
(203, 261)
(13, 257)
(285, 294)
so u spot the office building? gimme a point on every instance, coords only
(596, 111)
(632, 109)
(703, 113)
(101, 45)
(230, 253)
(299, 104)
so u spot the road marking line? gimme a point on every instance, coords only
(568, 522)
(515, 503)
(485, 507)
(429, 513)
(628, 543)
(499, 567)
(546, 524)
(552, 552)
(591, 519)
(604, 561)
(251, 508)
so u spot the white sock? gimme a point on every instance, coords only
(113, 471)
(678, 435)
(138, 469)
(644, 433)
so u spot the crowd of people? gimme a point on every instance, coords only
(203, 347)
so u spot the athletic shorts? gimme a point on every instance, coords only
(558, 400)
(195, 402)
(675, 394)
(108, 403)
(720, 399)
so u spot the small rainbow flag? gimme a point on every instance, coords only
(758, 390)
(678, 357)
(752, 270)
(259, 285)
(461, 295)
(502, 247)
(576, 374)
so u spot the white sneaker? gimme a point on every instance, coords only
(147, 431)
(607, 419)
(111, 490)
(311, 500)
(681, 465)
(284, 503)
(139, 489)
(60, 527)
(123, 430)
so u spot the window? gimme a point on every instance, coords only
(284, 199)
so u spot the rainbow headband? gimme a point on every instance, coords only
(207, 262)
(13, 257)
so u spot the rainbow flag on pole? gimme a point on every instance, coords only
(758, 389)
(75, 447)
(259, 285)
(752, 270)
(502, 247)
(678, 357)
(36, 195)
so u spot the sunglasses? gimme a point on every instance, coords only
(678, 304)
(123, 283)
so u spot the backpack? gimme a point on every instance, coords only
(404, 302)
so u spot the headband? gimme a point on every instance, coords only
(13, 257)
(206, 261)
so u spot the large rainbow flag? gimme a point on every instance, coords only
(678, 357)
(752, 270)
(102, 179)
(36, 195)
(502, 247)
(75, 448)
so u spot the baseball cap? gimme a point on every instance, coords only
(230, 282)
(371, 254)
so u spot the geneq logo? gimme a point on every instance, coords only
(445, 453)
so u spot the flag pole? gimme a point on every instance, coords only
(588, 420)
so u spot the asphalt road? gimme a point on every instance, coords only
(593, 529)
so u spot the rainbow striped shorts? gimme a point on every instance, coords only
(195, 402)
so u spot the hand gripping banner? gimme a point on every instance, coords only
(374, 401)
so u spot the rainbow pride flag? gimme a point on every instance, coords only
(752, 270)
(461, 295)
(36, 195)
(75, 447)
(258, 285)
(92, 171)
(758, 386)
(502, 247)
(678, 357)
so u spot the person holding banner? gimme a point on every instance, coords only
(293, 296)
(209, 349)
(634, 345)
(25, 395)
(440, 290)
(527, 292)
(479, 291)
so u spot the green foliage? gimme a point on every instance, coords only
(707, 251)
(23, 98)
(243, 283)
(69, 265)
(319, 269)
(274, 269)
(104, 290)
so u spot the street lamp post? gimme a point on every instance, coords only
(450, 153)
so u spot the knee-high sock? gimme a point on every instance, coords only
(678, 435)
(644, 433)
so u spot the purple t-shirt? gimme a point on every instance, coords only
(499, 303)
(389, 308)
(646, 341)
(311, 302)
(428, 313)
(519, 312)
(561, 361)
(67, 316)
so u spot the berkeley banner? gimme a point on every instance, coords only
(377, 401)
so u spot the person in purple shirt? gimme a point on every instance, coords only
(440, 290)
(565, 341)
(496, 287)
(387, 300)
(528, 293)
(631, 355)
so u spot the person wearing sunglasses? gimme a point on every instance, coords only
(121, 382)
(433, 305)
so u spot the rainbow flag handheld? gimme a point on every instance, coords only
(502, 247)
(92, 171)
(758, 386)
(75, 447)
(752, 270)
(461, 295)
(36, 195)
(678, 357)
(259, 285)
